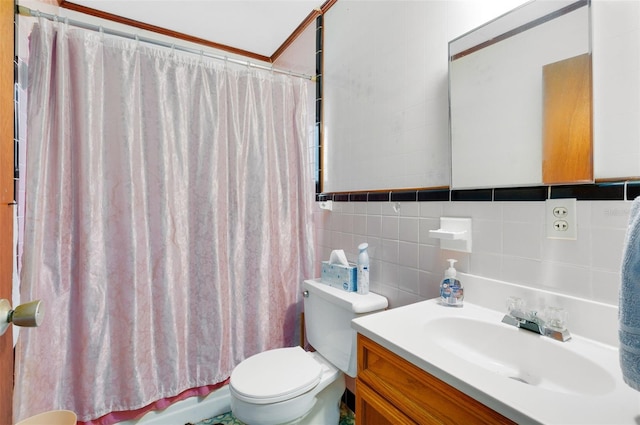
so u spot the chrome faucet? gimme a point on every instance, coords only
(552, 325)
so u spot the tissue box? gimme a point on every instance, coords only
(339, 276)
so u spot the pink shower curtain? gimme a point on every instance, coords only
(168, 223)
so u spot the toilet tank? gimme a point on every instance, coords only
(327, 316)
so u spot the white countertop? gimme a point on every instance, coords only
(405, 332)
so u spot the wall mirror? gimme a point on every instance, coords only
(520, 91)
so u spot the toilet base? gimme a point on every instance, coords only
(327, 407)
(321, 408)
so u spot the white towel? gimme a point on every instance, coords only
(629, 309)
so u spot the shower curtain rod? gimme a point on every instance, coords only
(25, 11)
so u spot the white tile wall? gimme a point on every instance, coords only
(509, 243)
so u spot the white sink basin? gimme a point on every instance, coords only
(529, 378)
(520, 355)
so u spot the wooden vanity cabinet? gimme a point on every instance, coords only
(391, 390)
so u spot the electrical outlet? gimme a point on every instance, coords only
(560, 212)
(561, 220)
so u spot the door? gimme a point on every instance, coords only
(6, 199)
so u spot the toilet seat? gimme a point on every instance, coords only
(275, 375)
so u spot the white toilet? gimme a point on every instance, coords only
(292, 386)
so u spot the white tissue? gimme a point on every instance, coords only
(338, 257)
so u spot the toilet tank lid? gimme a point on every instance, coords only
(348, 300)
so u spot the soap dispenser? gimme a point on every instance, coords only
(451, 290)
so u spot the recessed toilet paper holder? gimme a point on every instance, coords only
(28, 315)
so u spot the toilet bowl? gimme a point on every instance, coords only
(293, 386)
(286, 386)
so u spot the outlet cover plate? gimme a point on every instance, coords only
(560, 219)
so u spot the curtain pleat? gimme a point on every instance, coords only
(168, 221)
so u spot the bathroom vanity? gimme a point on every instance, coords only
(391, 390)
(426, 363)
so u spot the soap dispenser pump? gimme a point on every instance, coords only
(451, 290)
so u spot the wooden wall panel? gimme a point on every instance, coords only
(567, 115)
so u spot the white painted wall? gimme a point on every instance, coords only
(300, 57)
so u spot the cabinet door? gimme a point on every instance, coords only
(373, 409)
(390, 385)
(616, 90)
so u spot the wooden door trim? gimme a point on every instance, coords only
(7, 8)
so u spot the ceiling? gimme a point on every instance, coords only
(255, 28)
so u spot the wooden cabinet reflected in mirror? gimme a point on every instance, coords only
(567, 128)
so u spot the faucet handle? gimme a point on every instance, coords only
(555, 317)
(515, 304)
